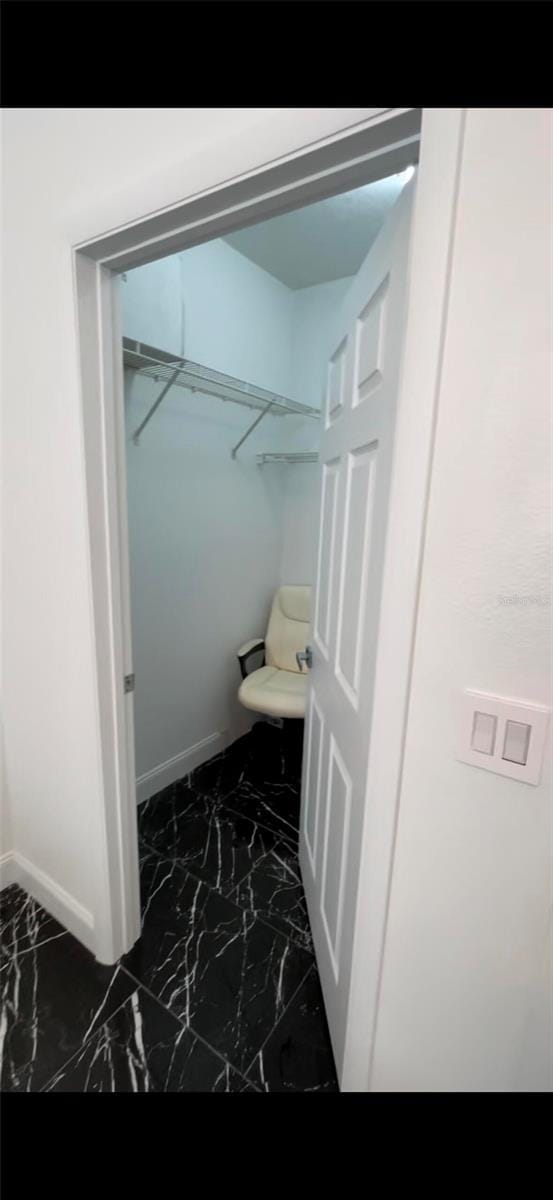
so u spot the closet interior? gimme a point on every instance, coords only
(224, 364)
(225, 347)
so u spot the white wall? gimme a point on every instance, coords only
(6, 832)
(98, 169)
(467, 984)
(300, 519)
(314, 309)
(205, 530)
(238, 318)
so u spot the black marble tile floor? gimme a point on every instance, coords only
(221, 992)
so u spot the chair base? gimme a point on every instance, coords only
(290, 736)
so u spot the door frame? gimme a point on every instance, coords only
(379, 145)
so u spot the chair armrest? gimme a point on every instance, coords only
(251, 647)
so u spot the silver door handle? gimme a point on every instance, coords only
(304, 656)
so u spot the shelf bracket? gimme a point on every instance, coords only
(155, 406)
(251, 428)
(300, 456)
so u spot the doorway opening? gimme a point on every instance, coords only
(361, 156)
(231, 351)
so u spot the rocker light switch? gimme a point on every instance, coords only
(502, 735)
(483, 733)
(517, 738)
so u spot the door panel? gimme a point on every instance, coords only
(359, 507)
(338, 801)
(336, 384)
(325, 558)
(369, 349)
(314, 744)
(359, 411)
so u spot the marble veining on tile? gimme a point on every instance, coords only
(276, 811)
(214, 844)
(274, 892)
(221, 991)
(297, 1056)
(225, 974)
(258, 777)
(24, 924)
(53, 999)
(143, 1048)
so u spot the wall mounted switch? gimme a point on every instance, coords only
(517, 741)
(502, 735)
(483, 733)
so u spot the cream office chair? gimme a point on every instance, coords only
(278, 688)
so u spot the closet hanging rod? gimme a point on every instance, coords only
(302, 456)
(173, 371)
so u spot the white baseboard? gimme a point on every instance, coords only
(15, 868)
(7, 870)
(180, 765)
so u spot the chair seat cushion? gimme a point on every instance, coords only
(274, 692)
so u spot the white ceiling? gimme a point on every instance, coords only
(322, 241)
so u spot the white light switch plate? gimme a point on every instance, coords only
(490, 755)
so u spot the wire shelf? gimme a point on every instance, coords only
(182, 372)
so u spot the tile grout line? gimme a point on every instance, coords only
(277, 1023)
(223, 800)
(228, 895)
(9, 950)
(182, 866)
(235, 886)
(282, 839)
(187, 1028)
(243, 1074)
(278, 933)
(93, 1036)
(256, 913)
(297, 945)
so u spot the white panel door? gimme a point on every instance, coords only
(359, 412)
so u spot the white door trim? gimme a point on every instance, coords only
(117, 900)
(352, 155)
(371, 149)
(427, 300)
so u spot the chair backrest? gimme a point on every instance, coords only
(288, 629)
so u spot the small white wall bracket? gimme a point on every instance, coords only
(503, 735)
